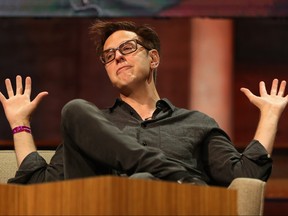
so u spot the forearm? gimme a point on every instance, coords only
(24, 145)
(266, 130)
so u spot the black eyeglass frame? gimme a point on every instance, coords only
(119, 48)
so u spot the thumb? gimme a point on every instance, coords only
(248, 94)
(39, 98)
(2, 98)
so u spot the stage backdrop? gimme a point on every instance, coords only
(145, 8)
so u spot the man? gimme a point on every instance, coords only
(141, 133)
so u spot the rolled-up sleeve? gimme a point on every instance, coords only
(225, 162)
(34, 169)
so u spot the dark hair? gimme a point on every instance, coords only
(101, 30)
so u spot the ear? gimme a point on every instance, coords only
(155, 58)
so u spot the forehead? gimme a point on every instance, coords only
(115, 39)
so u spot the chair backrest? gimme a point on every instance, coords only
(250, 195)
(8, 163)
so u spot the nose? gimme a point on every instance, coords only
(119, 57)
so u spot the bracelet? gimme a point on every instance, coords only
(21, 129)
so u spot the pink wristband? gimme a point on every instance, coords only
(21, 129)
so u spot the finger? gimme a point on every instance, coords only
(19, 87)
(38, 98)
(274, 87)
(2, 98)
(262, 88)
(28, 86)
(9, 88)
(282, 88)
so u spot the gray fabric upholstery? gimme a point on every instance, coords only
(250, 192)
(250, 195)
(8, 163)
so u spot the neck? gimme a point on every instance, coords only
(143, 102)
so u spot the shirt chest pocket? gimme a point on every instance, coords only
(178, 144)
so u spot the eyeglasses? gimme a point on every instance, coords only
(125, 48)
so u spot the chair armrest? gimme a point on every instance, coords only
(250, 195)
(8, 163)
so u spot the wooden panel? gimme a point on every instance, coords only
(117, 196)
(8, 199)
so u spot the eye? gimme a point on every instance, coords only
(109, 56)
(128, 47)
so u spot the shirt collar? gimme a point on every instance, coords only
(162, 104)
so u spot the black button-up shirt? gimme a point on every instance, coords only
(189, 138)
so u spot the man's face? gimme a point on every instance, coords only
(129, 71)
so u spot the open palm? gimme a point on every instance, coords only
(18, 107)
(274, 102)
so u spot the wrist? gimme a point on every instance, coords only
(20, 123)
(20, 129)
(272, 111)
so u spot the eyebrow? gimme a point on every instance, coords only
(136, 38)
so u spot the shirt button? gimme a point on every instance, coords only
(144, 143)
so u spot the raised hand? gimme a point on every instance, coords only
(273, 103)
(271, 107)
(18, 107)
